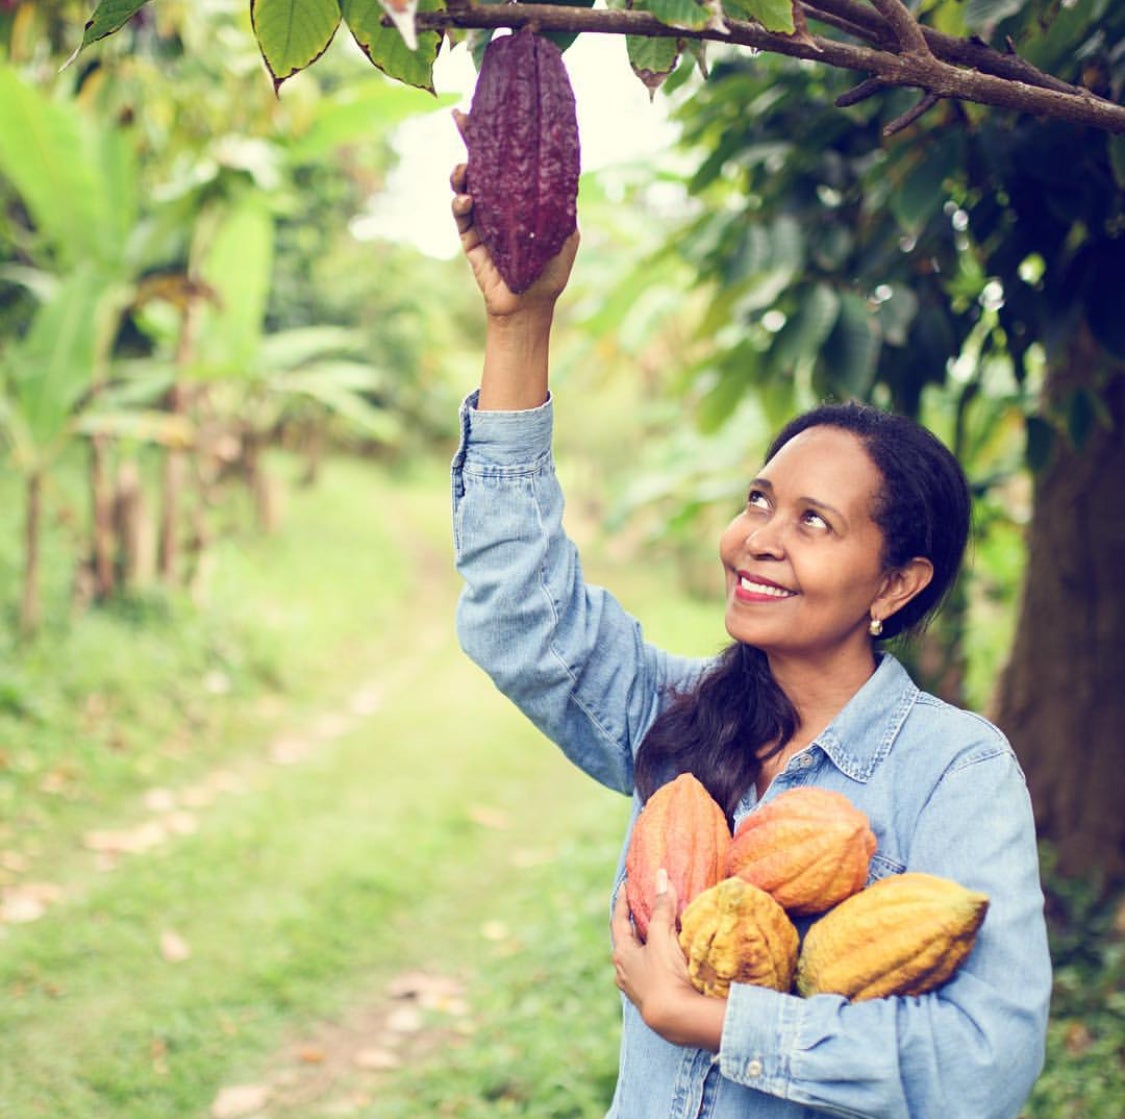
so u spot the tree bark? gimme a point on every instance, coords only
(29, 602)
(1061, 699)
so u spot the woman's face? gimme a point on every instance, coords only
(803, 560)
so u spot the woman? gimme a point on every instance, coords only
(852, 532)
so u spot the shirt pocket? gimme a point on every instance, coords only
(882, 867)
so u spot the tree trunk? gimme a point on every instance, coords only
(1061, 699)
(29, 603)
(105, 575)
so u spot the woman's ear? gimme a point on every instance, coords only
(901, 585)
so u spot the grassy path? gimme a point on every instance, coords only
(370, 890)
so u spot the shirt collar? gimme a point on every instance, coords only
(862, 734)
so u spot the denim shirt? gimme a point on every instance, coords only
(941, 787)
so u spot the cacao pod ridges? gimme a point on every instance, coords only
(682, 829)
(903, 935)
(809, 847)
(734, 932)
(524, 155)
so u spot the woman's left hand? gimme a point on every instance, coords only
(653, 975)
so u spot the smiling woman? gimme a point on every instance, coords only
(853, 531)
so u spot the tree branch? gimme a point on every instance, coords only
(1030, 92)
(904, 25)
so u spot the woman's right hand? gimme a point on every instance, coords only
(499, 300)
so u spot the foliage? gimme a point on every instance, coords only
(403, 38)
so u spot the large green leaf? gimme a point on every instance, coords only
(387, 49)
(58, 164)
(236, 263)
(293, 34)
(53, 365)
(357, 111)
(851, 348)
(799, 341)
(679, 13)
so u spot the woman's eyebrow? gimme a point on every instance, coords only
(767, 485)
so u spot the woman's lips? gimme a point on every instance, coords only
(751, 588)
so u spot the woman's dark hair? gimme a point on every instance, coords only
(738, 715)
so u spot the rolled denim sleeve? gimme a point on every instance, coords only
(973, 1047)
(565, 652)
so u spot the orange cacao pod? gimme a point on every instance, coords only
(808, 847)
(736, 933)
(523, 165)
(682, 829)
(903, 935)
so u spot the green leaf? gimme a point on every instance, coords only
(109, 16)
(387, 49)
(923, 192)
(800, 339)
(236, 263)
(850, 350)
(53, 365)
(983, 15)
(293, 34)
(679, 13)
(356, 111)
(652, 59)
(561, 39)
(773, 15)
(58, 164)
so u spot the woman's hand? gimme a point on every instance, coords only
(653, 975)
(499, 300)
(518, 327)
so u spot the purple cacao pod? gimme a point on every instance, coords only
(524, 161)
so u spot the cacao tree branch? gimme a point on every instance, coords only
(904, 25)
(1012, 85)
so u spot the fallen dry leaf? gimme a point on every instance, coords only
(240, 1100)
(27, 902)
(173, 947)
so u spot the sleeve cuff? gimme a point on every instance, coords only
(759, 1033)
(503, 438)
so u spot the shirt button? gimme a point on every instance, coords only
(754, 1068)
(806, 761)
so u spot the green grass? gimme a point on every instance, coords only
(427, 827)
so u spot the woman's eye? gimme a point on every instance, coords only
(757, 500)
(814, 519)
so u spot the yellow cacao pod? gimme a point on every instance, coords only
(735, 933)
(682, 829)
(808, 847)
(903, 935)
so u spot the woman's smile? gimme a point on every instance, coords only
(754, 588)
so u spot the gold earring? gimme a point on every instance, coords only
(875, 628)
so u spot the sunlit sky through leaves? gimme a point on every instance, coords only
(617, 123)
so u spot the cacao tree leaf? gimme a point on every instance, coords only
(800, 339)
(984, 15)
(850, 351)
(386, 48)
(109, 16)
(652, 59)
(773, 15)
(679, 13)
(293, 34)
(923, 191)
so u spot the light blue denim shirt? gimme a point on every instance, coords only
(941, 787)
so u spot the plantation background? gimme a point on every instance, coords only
(269, 844)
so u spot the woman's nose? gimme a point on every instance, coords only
(764, 539)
